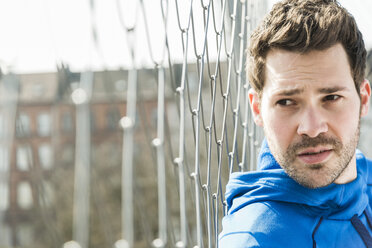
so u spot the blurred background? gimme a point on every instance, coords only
(120, 121)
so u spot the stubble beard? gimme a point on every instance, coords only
(326, 172)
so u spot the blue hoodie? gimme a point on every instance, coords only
(267, 208)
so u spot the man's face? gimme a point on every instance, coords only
(310, 112)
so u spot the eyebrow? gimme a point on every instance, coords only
(328, 90)
(331, 90)
(290, 92)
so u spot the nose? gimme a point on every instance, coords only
(312, 123)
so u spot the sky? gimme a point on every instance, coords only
(38, 34)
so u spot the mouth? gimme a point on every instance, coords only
(314, 155)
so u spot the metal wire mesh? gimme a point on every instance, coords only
(203, 126)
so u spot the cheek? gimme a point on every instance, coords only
(281, 130)
(345, 122)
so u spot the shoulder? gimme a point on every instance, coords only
(369, 166)
(266, 224)
(238, 240)
(365, 164)
(369, 179)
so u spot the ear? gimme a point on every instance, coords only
(255, 103)
(365, 95)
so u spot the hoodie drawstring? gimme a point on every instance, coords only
(362, 230)
(315, 229)
(368, 215)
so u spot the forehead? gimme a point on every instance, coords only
(287, 70)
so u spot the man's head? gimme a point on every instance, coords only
(308, 92)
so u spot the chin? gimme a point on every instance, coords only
(316, 177)
(312, 185)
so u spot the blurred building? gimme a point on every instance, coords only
(37, 124)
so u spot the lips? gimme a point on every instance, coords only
(314, 155)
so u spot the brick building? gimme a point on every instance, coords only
(37, 123)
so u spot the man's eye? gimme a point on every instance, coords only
(331, 98)
(285, 102)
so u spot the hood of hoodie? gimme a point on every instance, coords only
(271, 183)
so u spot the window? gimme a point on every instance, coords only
(67, 155)
(193, 81)
(138, 120)
(154, 117)
(24, 157)
(66, 122)
(24, 195)
(113, 117)
(4, 199)
(45, 156)
(23, 127)
(2, 126)
(24, 235)
(43, 124)
(4, 160)
(46, 194)
(93, 124)
(120, 85)
(5, 235)
(38, 90)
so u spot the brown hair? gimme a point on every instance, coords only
(303, 26)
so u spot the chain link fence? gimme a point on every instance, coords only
(203, 128)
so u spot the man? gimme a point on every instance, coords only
(306, 66)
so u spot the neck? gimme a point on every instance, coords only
(349, 174)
